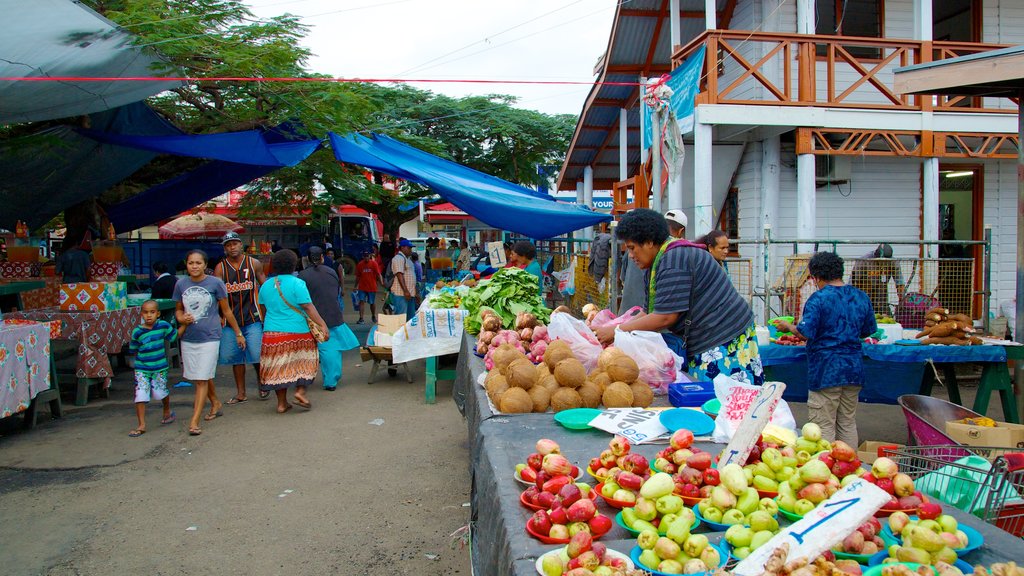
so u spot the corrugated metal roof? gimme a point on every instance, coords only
(629, 56)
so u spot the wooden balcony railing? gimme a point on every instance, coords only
(767, 68)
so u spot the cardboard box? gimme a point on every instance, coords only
(868, 450)
(1002, 435)
(387, 325)
(94, 296)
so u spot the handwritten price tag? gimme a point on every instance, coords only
(635, 424)
(496, 252)
(822, 528)
(754, 421)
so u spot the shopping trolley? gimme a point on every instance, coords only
(987, 482)
(927, 417)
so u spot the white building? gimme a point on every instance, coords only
(798, 126)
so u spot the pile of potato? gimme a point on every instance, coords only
(941, 327)
(560, 382)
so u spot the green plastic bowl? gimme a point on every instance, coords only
(712, 407)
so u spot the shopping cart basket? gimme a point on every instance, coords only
(927, 417)
(985, 481)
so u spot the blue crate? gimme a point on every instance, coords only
(690, 394)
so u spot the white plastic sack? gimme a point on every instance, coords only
(431, 332)
(728, 390)
(578, 336)
(567, 278)
(659, 365)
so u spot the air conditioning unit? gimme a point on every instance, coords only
(832, 170)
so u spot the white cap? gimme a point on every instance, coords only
(677, 216)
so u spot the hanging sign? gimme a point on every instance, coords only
(496, 252)
(822, 528)
(756, 417)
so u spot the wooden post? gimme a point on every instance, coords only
(1018, 327)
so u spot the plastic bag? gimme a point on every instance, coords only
(728, 390)
(567, 278)
(608, 318)
(575, 333)
(658, 364)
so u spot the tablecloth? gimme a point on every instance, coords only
(98, 334)
(775, 354)
(430, 332)
(46, 297)
(24, 365)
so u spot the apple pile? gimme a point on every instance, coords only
(560, 491)
(886, 475)
(678, 551)
(562, 523)
(865, 540)
(775, 466)
(617, 458)
(583, 557)
(746, 539)
(931, 538)
(810, 441)
(545, 464)
(736, 502)
(656, 507)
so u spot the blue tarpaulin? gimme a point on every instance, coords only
(246, 147)
(491, 200)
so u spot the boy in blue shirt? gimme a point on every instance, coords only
(150, 363)
(836, 319)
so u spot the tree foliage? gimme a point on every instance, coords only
(222, 38)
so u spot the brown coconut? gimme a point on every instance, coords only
(606, 357)
(515, 401)
(505, 355)
(622, 368)
(542, 370)
(557, 351)
(601, 379)
(590, 394)
(548, 382)
(541, 397)
(521, 373)
(643, 396)
(565, 399)
(495, 384)
(570, 372)
(617, 395)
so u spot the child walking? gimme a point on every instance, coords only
(199, 297)
(836, 319)
(150, 363)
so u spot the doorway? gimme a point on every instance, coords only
(956, 20)
(961, 210)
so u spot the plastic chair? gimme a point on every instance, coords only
(927, 417)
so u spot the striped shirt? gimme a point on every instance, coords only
(689, 280)
(243, 286)
(148, 346)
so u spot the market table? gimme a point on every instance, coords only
(17, 288)
(98, 335)
(24, 366)
(892, 370)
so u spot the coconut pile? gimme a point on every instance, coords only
(516, 386)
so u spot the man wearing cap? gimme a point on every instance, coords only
(242, 276)
(403, 287)
(872, 274)
(676, 223)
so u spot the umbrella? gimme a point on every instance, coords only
(200, 225)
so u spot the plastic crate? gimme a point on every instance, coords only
(690, 394)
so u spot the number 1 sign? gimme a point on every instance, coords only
(822, 528)
(756, 418)
(496, 252)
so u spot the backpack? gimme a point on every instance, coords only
(389, 274)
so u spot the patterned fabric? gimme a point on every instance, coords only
(150, 385)
(104, 271)
(19, 269)
(46, 297)
(835, 321)
(738, 359)
(148, 346)
(287, 359)
(24, 365)
(97, 333)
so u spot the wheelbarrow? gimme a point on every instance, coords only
(927, 417)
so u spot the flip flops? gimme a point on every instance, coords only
(169, 420)
(236, 400)
(264, 394)
(304, 403)
(195, 431)
(136, 433)
(213, 415)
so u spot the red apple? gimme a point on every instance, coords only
(843, 452)
(581, 510)
(619, 446)
(629, 481)
(711, 477)
(869, 477)
(607, 459)
(690, 476)
(540, 522)
(545, 500)
(542, 477)
(559, 516)
(680, 439)
(635, 463)
(574, 471)
(600, 524)
(705, 491)
(700, 461)
(556, 464)
(578, 544)
(929, 511)
(688, 490)
(535, 461)
(828, 460)
(842, 468)
(528, 474)
(556, 483)
(596, 547)
(594, 464)
(569, 494)
(885, 484)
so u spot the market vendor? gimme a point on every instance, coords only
(524, 254)
(690, 300)
(872, 274)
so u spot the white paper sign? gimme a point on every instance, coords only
(822, 528)
(635, 424)
(757, 416)
(496, 252)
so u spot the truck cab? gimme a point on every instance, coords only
(353, 233)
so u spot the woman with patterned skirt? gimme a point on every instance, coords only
(289, 356)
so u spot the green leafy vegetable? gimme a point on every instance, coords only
(508, 292)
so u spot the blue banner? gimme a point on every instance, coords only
(685, 83)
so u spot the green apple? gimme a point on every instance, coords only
(931, 525)
(666, 548)
(646, 539)
(760, 538)
(803, 506)
(733, 516)
(739, 536)
(519, 469)
(768, 505)
(786, 473)
(785, 488)
(641, 525)
(670, 567)
(687, 515)
(678, 530)
(790, 462)
(766, 484)
(948, 523)
(787, 503)
(669, 504)
(584, 489)
(628, 516)
(604, 571)
(649, 559)
(747, 502)
(749, 475)
(576, 527)
(623, 495)
(645, 509)
(796, 483)
(665, 522)
(759, 520)
(712, 514)
(609, 488)
(741, 553)
(551, 565)
(704, 505)
(695, 544)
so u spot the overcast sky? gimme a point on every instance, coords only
(459, 39)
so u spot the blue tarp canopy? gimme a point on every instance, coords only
(239, 158)
(491, 200)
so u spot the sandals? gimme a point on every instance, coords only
(213, 415)
(169, 420)
(136, 433)
(195, 431)
(236, 400)
(304, 403)
(287, 407)
(264, 394)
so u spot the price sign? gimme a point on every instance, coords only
(754, 421)
(496, 253)
(635, 424)
(822, 528)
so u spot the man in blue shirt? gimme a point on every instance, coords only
(835, 321)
